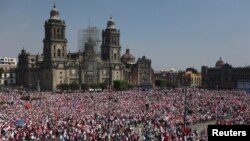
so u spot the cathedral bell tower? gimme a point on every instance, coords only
(110, 49)
(55, 43)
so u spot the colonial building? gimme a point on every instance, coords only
(191, 77)
(8, 73)
(171, 75)
(140, 72)
(56, 65)
(224, 76)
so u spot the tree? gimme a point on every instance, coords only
(103, 85)
(160, 83)
(63, 87)
(74, 86)
(165, 83)
(84, 86)
(131, 86)
(95, 86)
(120, 84)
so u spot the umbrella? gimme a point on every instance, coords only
(20, 122)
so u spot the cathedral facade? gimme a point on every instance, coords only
(56, 65)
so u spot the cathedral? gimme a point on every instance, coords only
(56, 65)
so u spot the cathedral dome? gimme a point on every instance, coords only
(127, 57)
(54, 13)
(219, 63)
(111, 23)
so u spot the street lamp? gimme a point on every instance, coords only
(109, 98)
(80, 75)
(184, 90)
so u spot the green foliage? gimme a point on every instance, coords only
(63, 87)
(74, 86)
(84, 86)
(103, 85)
(160, 83)
(120, 84)
(165, 83)
(130, 86)
(95, 86)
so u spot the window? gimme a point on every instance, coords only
(62, 33)
(115, 56)
(60, 72)
(73, 72)
(54, 31)
(104, 72)
(58, 53)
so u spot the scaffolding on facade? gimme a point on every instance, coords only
(91, 33)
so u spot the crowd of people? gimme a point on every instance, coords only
(118, 115)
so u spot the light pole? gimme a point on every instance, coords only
(184, 90)
(38, 85)
(80, 76)
(29, 85)
(109, 98)
(67, 92)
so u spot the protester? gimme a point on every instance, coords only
(116, 115)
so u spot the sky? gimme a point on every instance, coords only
(172, 33)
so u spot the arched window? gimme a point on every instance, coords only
(62, 34)
(115, 56)
(58, 53)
